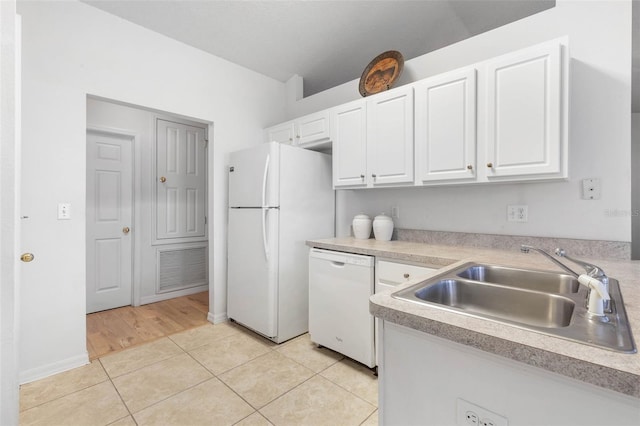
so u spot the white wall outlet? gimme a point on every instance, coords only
(468, 414)
(395, 212)
(517, 213)
(64, 211)
(591, 189)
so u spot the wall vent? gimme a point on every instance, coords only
(181, 268)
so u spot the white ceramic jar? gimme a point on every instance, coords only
(382, 227)
(361, 226)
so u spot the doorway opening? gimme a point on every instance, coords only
(146, 212)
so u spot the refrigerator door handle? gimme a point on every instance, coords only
(264, 234)
(264, 182)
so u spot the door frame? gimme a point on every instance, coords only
(136, 255)
(10, 164)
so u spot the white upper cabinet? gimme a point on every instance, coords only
(349, 136)
(313, 128)
(390, 137)
(281, 133)
(445, 127)
(526, 114)
(308, 131)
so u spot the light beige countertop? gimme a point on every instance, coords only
(608, 369)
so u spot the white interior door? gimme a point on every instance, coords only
(181, 180)
(109, 220)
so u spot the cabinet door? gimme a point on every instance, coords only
(313, 128)
(281, 133)
(445, 123)
(525, 113)
(390, 137)
(349, 136)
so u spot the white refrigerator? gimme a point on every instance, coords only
(279, 197)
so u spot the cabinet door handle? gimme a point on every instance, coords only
(469, 167)
(406, 275)
(490, 165)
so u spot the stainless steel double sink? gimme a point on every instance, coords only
(546, 302)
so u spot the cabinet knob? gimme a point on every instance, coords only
(27, 257)
(490, 165)
(373, 175)
(163, 179)
(469, 167)
(406, 275)
(298, 136)
(125, 230)
(290, 139)
(362, 177)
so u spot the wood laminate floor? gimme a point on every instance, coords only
(116, 329)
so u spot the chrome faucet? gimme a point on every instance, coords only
(525, 249)
(598, 299)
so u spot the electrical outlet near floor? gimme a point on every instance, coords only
(468, 414)
(517, 213)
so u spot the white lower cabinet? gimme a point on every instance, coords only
(390, 274)
(424, 379)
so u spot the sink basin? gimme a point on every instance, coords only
(521, 278)
(528, 307)
(541, 301)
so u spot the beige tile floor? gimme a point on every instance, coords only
(217, 374)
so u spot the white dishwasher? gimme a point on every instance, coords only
(340, 285)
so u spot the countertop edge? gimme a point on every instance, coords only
(584, 371)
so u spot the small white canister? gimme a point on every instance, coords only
(361, 226)
(382, 227)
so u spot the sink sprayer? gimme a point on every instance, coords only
(598, 300)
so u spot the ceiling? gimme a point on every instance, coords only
(325, 42)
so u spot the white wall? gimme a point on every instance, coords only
(599, 35)
(70, 50)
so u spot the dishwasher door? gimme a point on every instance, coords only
(340, 285)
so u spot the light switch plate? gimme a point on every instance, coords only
(64, 211)
(591, 189)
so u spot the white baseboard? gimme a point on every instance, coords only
(218, 318)
(54, 368)
(170, 295)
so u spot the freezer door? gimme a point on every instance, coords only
(252, 273)
(254, 176)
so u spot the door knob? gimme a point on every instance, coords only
(125, 230)
(163, 179)
(27, 257)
